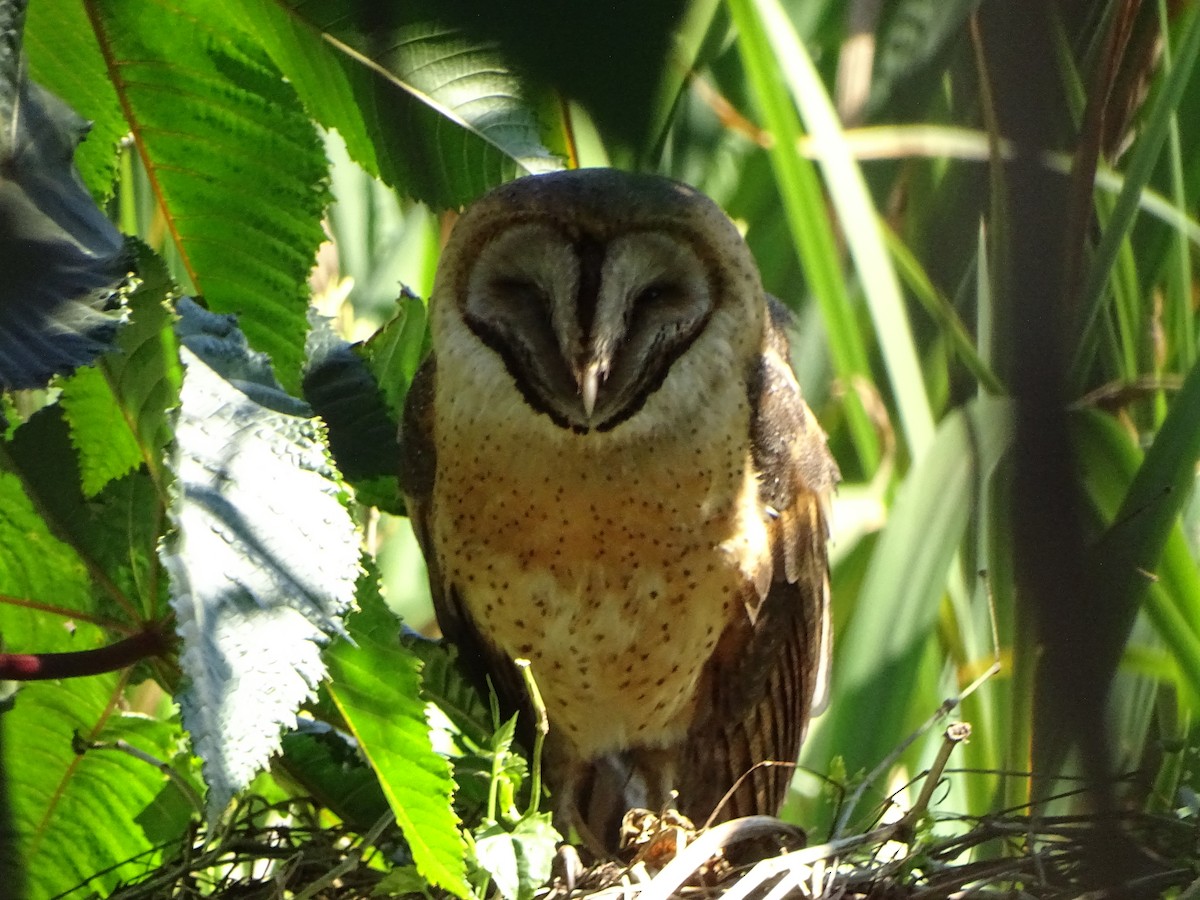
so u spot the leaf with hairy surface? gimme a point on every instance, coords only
(263, 555)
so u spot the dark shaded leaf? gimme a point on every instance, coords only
(344, 393)
(328, 768)
(912, 36)
(65, 267)
(609, 56)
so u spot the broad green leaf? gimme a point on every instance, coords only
(112, 536)
(262, 558)
(83, 819)
(65, 266)
(117, 409)
(107, 448)
(236, 165)
(569, 48)
(39, 572)
(518, 860)
(445, 137)
(376, 685)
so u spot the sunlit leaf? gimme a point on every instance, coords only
(117, 409)
(263, 555)
(213, 122)
(78, 816)
(376, 685)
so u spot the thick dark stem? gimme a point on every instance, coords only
(42, 666)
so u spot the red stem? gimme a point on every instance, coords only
(43, 666)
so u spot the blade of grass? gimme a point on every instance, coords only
(1144, 537)
(804, 207)
(1178, 313)
(856, 211)
(1142, 161)
(941, 310)
(891, 142)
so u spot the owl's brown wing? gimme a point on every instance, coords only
(481, 661)
(770, 667)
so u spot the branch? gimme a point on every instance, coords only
(152, 641)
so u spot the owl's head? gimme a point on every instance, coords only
(591, 286)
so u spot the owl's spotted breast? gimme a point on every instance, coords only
(615, 573)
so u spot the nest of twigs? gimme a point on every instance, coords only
(1002, 855)
(274, 852)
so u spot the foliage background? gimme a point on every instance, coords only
(991, 259)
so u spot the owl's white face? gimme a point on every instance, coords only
(591, 290)
(587, 329)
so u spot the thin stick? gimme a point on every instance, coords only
(541, 729)
(944, 710)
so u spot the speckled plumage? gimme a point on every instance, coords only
(660, 558)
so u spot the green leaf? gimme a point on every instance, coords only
(117, 409)
(65, 58)
(812, 234)
(444, 683)
(343, 392)
(107, 448)
(911, 36)
(519, 860)
(1143, 552)
(330, 770)
(395, 351)
(37, 569)
(65, 266)
(879, 653)
(376, 685)
(569, 48)
(860, 223)
(80, 817)
(112, 536)
(444, 138)
(236, 165)
(263, 555)
(1142, 159)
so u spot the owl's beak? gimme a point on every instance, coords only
(589, 379)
